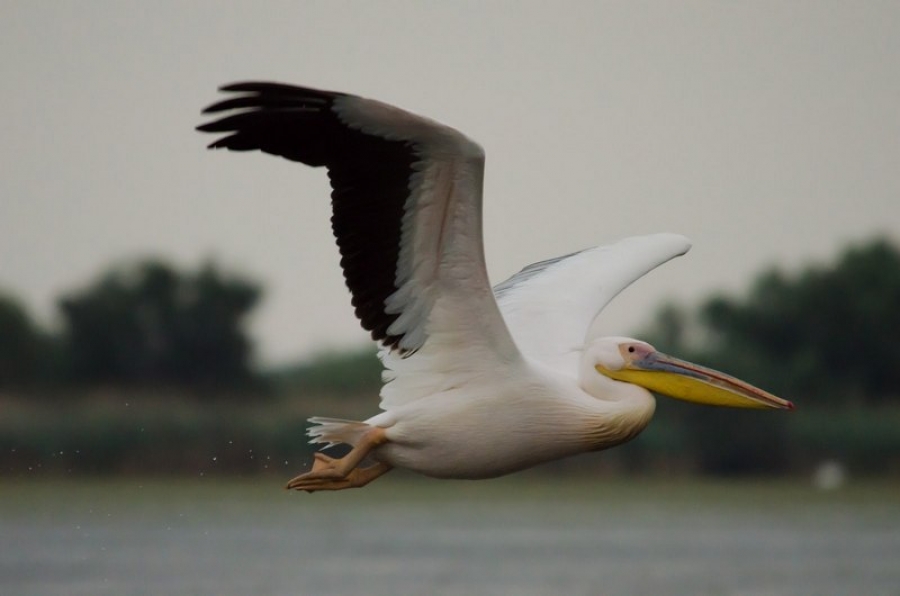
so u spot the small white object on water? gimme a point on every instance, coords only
(829, 475)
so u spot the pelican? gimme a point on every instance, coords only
(478, 382)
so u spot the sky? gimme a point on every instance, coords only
(767, 132)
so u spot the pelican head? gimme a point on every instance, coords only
(636, 362)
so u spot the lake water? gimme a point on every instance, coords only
(526, 535)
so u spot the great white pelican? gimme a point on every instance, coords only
(479, 382)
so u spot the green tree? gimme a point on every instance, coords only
(826, 335)
(147, 323)
(24, 350)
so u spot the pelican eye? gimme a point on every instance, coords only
(631, 349)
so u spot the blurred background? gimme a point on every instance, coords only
(169, 317)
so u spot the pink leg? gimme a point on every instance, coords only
(329, 473)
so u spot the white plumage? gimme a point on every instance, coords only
(469, 392)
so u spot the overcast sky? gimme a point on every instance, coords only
(768, 132)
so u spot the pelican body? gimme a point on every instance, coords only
(479, 381)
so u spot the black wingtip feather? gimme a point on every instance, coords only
(369, 176)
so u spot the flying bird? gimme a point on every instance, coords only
(479, 381)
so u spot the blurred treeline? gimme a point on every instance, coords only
(150, 370)
(140, 324)
(825, 337)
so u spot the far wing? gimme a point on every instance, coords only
(550, 306)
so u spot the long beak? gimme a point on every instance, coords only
(691, 382)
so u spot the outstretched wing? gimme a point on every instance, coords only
(550, 306)
(406, 199)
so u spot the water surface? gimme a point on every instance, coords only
(523, 535)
